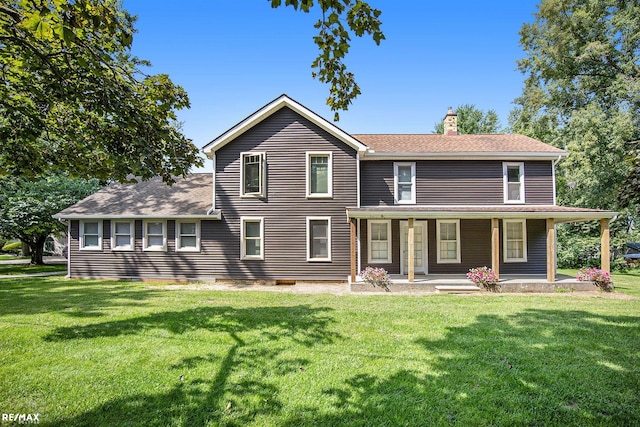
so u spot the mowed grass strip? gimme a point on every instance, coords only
(124, 353)
(13, 269)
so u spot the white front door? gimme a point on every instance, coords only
(419, 247)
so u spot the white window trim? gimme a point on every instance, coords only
(243, 248)
(319, 218)
(179, 236)
(369, 241)
(413, 183)
(132, 233)
(524, 238)
(263, 175)
(81, 237)
(458, 238)
(145, 247)
(505, 182)
(329, 194)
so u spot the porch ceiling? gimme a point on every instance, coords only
(558, 213)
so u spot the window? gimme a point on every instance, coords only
(319, 174)
(404, 177)
(187, 236)
(122, 235)
(515, 240)
(379, 241)
(155, 236)
(91, 235)
(252, 174)
(513, 178)
(252, 238)
(318, 239)
(448, 237)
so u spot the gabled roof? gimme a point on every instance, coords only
(511, 146)
(266, 111)
(189, 197)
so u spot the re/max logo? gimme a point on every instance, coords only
(21, 418)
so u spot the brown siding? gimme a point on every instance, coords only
(451, 182)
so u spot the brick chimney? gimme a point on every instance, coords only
(450, 123)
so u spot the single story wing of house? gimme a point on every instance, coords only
(293, 197)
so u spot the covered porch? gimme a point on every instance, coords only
(490, 248)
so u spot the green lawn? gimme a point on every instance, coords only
(124, 353)
(5, 257)
(10, 269)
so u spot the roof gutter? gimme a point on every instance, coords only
(475, 155)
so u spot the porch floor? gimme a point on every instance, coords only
(508, 283)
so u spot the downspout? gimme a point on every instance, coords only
(213, 189)
(553, 172)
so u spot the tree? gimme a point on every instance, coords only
(26, 207)
(473, 120)
(333, 41)
(582, 93)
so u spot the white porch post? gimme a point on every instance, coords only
(551, 250)
(352, 249)
(604, 245)
(495, 246)
(410, 251)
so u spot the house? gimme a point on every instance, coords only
(294, 197)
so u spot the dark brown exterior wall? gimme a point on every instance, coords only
(458, 182)
(475, 247)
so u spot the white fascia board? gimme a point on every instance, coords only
(507, 155)
(558, 216)
(271, 108)
(214, 215)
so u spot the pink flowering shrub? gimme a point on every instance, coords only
(485, 277)
(600, 278)
(376, 276)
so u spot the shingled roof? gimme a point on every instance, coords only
(452, 144)
(188, 197)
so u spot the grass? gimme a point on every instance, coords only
(123, 353)
(11, 269)
(5, 257)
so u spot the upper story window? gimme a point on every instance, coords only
(404, 183)
(319, 174)
(252, 174)
(252, 238)
(379, 241)
(513, 178)
(122, 235)
(515, 240)
(91, 235)
(187, 236)
(154, 237)
(448, 241)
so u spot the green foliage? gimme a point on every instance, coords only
(334, 41)
(26, 207)
(74, 101)
(582, 93)
(472, 120)
(13, 247)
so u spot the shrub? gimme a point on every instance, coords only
(600, 278)
(13, 247)
(485, 277)
(376, 276)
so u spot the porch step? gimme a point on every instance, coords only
(457, 288)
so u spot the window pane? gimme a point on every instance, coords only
(252, 174)
(404, 192)
(447, 231)
(448, 250)
(514, 191)
(320, 174)
(404, 174)
(90, 228)
(252, 247)
(122, 241)
(379, 250)
(90, 240)
(187, 242)
(515, 249)
(319, 239)
(155, 241)
(154, 228)
(514, 230)
(251, 229)
(123, 227)
(188, 228)
(378, 231)
(513, 174)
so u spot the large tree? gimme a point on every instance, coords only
(473, 120)
(582, 92)
(26, 207)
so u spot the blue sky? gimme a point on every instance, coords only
(233, 57)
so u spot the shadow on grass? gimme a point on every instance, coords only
(230, 389)
(538, 367)
(76, 298)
